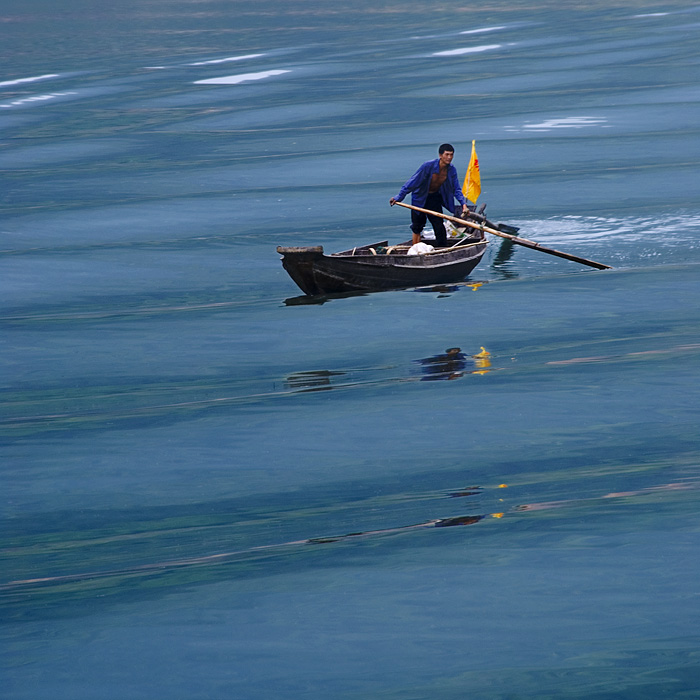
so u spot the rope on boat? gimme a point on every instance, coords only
(465, 245)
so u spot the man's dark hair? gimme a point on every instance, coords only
(446, 147)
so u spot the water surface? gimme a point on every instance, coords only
(212, 490)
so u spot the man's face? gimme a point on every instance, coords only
(446, 157)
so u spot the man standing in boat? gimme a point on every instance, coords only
(434, 185)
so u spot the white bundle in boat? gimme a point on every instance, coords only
(420, 249)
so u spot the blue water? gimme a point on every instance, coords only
(213, 490)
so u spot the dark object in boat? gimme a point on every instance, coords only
(379, 266)
(478, 217)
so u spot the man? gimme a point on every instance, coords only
(434, 185)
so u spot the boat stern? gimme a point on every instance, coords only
(299, 262)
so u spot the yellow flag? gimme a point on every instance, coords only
(472, 180)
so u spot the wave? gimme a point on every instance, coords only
(469, 49)
(483, 30)
(241, 78)
(227, 60)
(22, 81)
(35, 98)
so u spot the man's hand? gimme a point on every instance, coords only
(392, 201)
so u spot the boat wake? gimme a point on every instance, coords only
(621, 242)
(675, 229)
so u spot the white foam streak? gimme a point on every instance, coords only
(470, 49)
(34, 98)
(22, 81)
(484, 30)
(227, 60)
(560, 123)
(242, 78)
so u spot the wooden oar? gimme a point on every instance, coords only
(516, 239)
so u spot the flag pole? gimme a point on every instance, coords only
(466, 194)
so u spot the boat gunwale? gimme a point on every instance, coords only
(437, 251)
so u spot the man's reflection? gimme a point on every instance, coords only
(450, 365)
(453, 364)
(501, 262)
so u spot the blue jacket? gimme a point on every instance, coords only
(419, 184)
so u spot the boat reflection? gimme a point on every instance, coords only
(442, 522)
(162, 568)
(442, 290)
(318, 299)
(469, 491)
(315, 380)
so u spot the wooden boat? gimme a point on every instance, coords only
(379, 266)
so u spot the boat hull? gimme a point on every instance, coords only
(366, 270)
